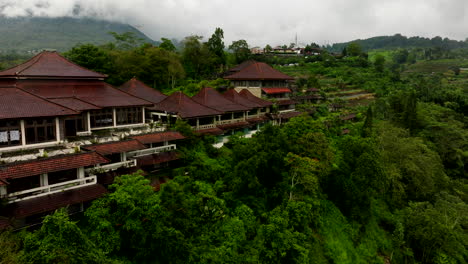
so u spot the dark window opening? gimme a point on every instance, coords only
(41, 130)
(130, 115)
(62, 176)
(102, 118)
(10, 133)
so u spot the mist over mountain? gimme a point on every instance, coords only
(23, 34)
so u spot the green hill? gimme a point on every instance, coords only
(37, 33)
(399, 41)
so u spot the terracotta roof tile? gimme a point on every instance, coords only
(258, 71)
(16, 103)
(53, 164)
(210, 131)
(257, 120)
(158, 158)
(53, 201)
(159, 137)
(285, 102)
(139, 89)
(74, 103)
(276, 90)
(211, 98)
(233, 96)
(116, 147)
(232, 126)
(50, 64)
(248, 95)
(182, 105)
(289, 115)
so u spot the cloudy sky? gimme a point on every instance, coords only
(263, 22)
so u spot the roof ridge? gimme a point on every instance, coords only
(47, 100)
(69, 61)
(32, 63)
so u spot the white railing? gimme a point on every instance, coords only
(112, 166)
(50, 189)
(287, 110)
(206, 126)
(149, 151)
(84, 133)
(230, 121)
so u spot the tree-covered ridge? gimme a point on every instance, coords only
(37, 33)
(398, 41)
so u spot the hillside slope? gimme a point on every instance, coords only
(37, 33)
(399, 41)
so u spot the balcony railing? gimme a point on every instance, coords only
(206, 126)
(150, 151)
(112, 166)
(230, 121)
(50, 189)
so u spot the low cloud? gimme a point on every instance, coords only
(265, 22)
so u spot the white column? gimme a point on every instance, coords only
(88, 120)
(3, 191)
(44, 179)
(144, 121)
(198, 123)
(219, 118)
(57, 128)
(114, 117)
(123, 156)
(23, 133)
(245, 115)
(166, 143)
(81, 173)
(232, 115)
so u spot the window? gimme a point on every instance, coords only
(130, 115)
(102, 118)
(10, 133)
(40, 130)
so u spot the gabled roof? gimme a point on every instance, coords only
(249, 96)
(50, 65)
(233, 96)
(276, 90)
(240, 67)
(159, 137)
(182, 105)
(139, 89)
(158, 158)
(53, 164)
(258, 71)
(16, 103)
(116, 147)
(74, 103)
(211, 98)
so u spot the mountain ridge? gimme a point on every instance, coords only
(30, 34)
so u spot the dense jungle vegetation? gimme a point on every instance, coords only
(392, 190)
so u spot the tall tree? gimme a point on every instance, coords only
(166, 44)
(241, 50)
(216, 45)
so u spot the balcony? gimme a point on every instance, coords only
(230, 121)
(50, 189)
(150, 151)
(112, 166)
(205, 126)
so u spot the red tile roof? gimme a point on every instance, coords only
(232, 126)
(348, 117)
(257, 120)
(16, 103)
(211, 98)
(233, 96)
(50, 64)
(139, 89)
(158, 158)
(53, 201)
(289, 115)
(159, 137)
(248, 95)
(258, 71)
(210, 131)
(74, 103)
(116, 147)
(182, 105)
(276, 90)
(53, 164)
(285, 102)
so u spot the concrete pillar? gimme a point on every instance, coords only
(198, 123)
(214, 120)
(81, 173)
(144, 121)
(232, 115)
(57, 129)
(3, 191)
(23, 133)
(123, 156)
(88, 121)
(44, 179)
(219, 118)
(114, 117)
